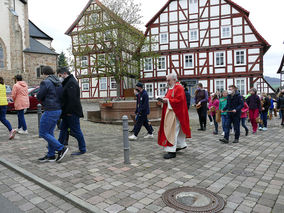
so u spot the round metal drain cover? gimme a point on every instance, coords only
(242, 173)
(193, 199)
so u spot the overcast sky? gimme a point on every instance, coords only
(54, 17)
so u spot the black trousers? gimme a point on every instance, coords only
(202, 114)
(142, 120)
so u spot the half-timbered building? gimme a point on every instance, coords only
(208, 41)
(281, 73)
(95, 34)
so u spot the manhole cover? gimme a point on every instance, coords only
(242, 173)
(193, 199)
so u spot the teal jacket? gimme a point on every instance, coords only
(222, 104)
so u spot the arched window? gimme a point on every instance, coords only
(1, 56)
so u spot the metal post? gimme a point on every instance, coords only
(125, 140)
(38, 116)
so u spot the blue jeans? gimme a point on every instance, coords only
(215, 123)
(72, 122)
(235, 119)
(21, 120)
(224, 120)
(244, 124)
(263, 117)
(46, 131)
(3, 110)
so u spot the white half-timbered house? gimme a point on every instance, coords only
(281, 73)
(208, 41)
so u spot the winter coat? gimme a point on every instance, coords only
(266, 104)
(71, 103)
(3, 97)
(142, 103)
(253, 102)
(234, 102)
(215, 104)
(280, 102)
(20, 95)
(50, 93)
(245, 109)
(222, 104)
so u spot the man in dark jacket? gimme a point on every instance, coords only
(71, 110)
(201, 99)
(49, 94)
(234, 106)
(142, 110)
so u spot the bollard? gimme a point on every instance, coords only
(38, 116)
(125, 139)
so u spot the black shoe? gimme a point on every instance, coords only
(200, 129)
(170, 155)
(178, 149)
(236, 141)
(78, 153)
(61, 154)
(215, 133)
(247, 132)
(47, 159)
(224, 140)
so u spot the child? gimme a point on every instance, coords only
(222, 104)
(244, 117)
(213, 106)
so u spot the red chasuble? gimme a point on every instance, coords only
(177, 100)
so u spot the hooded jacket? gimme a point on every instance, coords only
(234, 102)
(20, 95)
(50, 93)
(3, 96)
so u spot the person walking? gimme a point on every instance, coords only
(71, 110)
(20, 96)
(201, 99)
(222, 104)
(187, 95)
(3, 110)
(49, 95)
(280, 105)
(271, 108)
(254, 104)
(174, 127)
(213, 107)
(142, 111)
(265, 102)
(234, 106)
(245, 110)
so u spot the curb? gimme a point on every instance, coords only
(81, 204)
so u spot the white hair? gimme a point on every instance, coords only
(173, 76)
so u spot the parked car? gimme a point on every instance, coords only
(32, 97)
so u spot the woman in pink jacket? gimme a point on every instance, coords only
(20, 96)
(213, 106)
(245, 109)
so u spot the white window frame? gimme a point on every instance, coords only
(241, 64)
(230, 31)
(106, 34)
(240, 85)
(193, 1)
(85, 89)
(112, 80)
(162, 88)
(151, 95)
(101, 83)
(220, 86)
(162, 40)
(84, 61)
(224, 59)
(191, 38)
(184, 58)
(161, 63)
(145, 63)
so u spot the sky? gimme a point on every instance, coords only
(54, 17)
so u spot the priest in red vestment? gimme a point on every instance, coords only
(174, 128)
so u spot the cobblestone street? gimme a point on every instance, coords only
(100, 178)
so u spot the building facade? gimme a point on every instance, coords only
(281, 73)
(208, 41)
(24, 48)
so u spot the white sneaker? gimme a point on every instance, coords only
(22, 132)
(18, 130)
(260, 128)
(149, 136)
(132, 138)
(211, 123)
(264, 129)
(223, 134)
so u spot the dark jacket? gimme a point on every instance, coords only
(234, 102)
(253, 102)
(201, 95)
(266, 104)
(280, 102)
(188, 98)
(142, 103)
(50, 93)
(71, 103)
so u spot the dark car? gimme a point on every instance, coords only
(32, 97)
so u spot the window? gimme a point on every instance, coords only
(1, 57)
(188, 61)
(84, 61)
(193, 6)
(164, 38)
(226, 32)
(219, 59)
(101, 59)
(193, 35)
(162, 89)
(149, 89)
(241, 86)
(94, 18)
(103, 83)
(220, 85)
(148, 64)
(39, 71)
(113, 84)
(85, 87)
(193, 1)
(108, 35)
(162, 63)
(240, 57)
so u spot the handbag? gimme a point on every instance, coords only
(218, 116)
